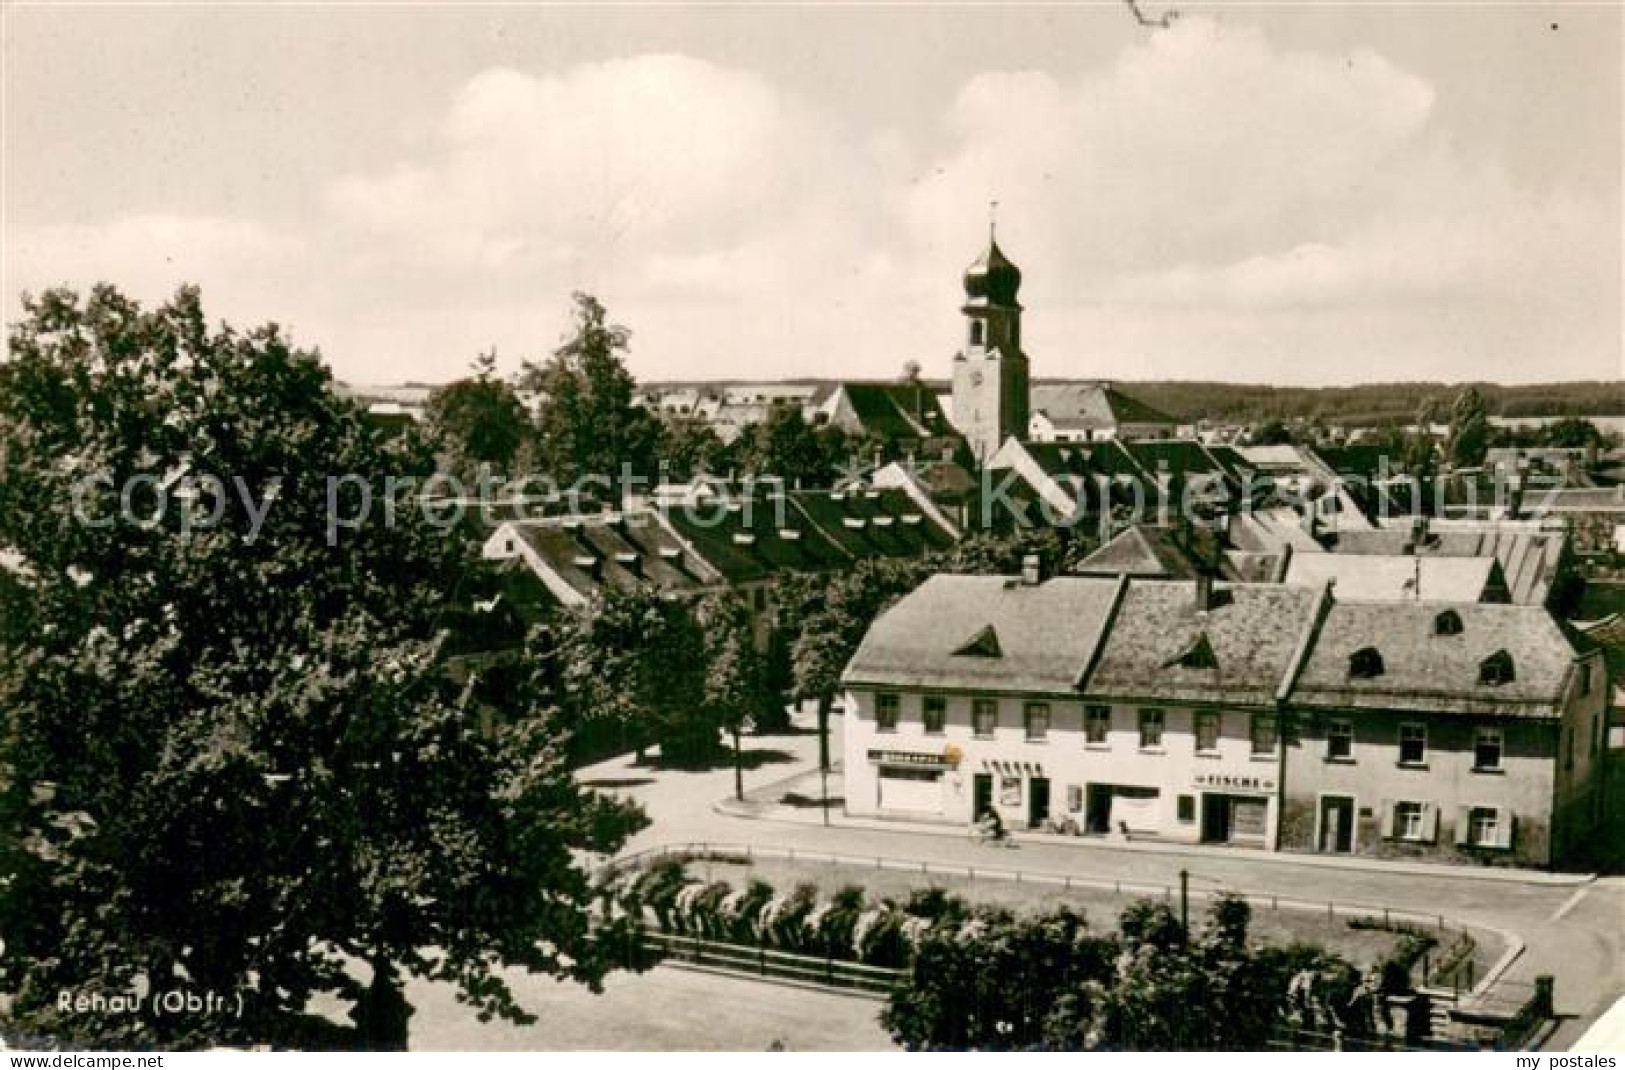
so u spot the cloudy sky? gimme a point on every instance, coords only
(1296, 193)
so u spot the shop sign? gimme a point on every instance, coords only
(904, 757)
(1234, 781)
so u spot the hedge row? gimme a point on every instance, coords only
(847, 926)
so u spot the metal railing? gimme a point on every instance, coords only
(1168, 891)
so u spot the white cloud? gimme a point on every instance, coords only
(1206, 205)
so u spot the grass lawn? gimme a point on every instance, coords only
(1280, 926)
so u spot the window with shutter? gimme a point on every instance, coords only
(1410, 820)
(1430, 823)
(1387, 821)
(1505, 821)
(1464, 825)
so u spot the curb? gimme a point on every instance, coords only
(731, 808)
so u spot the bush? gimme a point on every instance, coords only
(881, 939)
(788, 927)
(745, 910)
(935, 904)
(658, 889)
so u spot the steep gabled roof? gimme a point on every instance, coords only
(1529, 559)
(1429, 671)
(892, 410)
(1385, 578)
(1252, 632)
(1153, 551)
(1047, 634)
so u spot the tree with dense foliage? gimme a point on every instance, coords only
(587, 426)
(632, 665)
(477, 421)
(829, 619)
(735, 682)
(785, 446)
(1000, 982)
(231, 757)
(1469, 429)
(1270, 433)
(1570, 434)
(691, 447)
(1058, 550)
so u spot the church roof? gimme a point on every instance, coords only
(889, 410)
(1092, 406)
(993, 278)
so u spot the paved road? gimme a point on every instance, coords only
(1575, 933)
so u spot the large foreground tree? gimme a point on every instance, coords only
(231, 760)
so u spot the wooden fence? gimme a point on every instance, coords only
(768, 962)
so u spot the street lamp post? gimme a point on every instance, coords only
(1185, 904)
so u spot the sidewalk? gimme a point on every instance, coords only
(768, 803)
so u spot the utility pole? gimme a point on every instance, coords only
(823, 756)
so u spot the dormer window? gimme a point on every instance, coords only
(1447, 623)
(1198, 655)
(1365, 663)
(1496, 669)
(984, 644)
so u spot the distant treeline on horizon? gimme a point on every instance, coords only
(1370, 404)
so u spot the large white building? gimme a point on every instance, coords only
(1259, 714)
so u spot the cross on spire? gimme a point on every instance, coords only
(992, 219)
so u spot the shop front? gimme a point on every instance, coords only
(1236, 808)
(1019, 791)
(911, 783)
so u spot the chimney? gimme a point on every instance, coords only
(1032, 571)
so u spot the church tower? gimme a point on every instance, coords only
(990, 373)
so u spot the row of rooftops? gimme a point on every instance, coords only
(1236, 644)
(1434, 561)
(718, 542)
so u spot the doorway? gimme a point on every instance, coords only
(1336, 824)
(1037, 802)
(981, 796)
(1098, 809)
(1215, 818)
